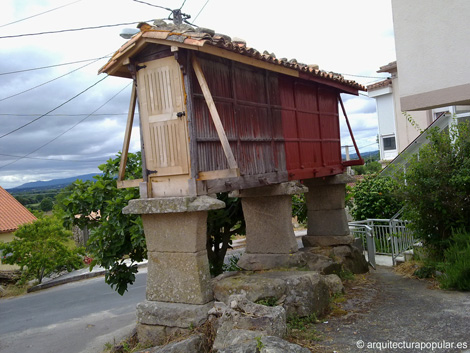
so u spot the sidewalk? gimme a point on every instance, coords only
(74, 276)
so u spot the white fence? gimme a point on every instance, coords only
(383, 236)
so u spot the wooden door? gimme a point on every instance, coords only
(164, 122)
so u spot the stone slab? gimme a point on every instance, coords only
(269, 227)
(327, 240)
(175, 232)
(289, 188)
(156, 335)
(172, 314)
(173, 205)
(258, 262)
(179, 277)
(330, 180)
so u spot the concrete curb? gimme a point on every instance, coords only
(59, 281)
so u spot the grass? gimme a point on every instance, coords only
(14, 290)
(301, 330)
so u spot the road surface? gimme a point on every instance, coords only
(77, 317)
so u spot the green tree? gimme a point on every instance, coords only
(46, 204)
(114, 236)
(222, 224)
(374, 197)
(41, 248)
(436, 188)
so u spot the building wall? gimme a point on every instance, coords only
(6, 238)
(431, 40)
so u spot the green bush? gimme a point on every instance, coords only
(42, 248)
(457, 262)
(436, 188)
(374, 197)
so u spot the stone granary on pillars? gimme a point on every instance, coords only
(218, 116)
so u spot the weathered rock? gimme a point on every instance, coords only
(172, 314)
(258, 262)
(320, 263)
(242, 314)
(157, 335)
(300, 292)
(326, 240)
(334, 284)
(351, 258)
(254, 287)
(193, 344)
(268, 344)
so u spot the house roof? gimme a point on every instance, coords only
(200, 39)
(392, 66)
(380, 84)
(12, 213)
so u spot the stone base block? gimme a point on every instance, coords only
(326, 197)
(158, 335)
(327, 222)
(326, 240)
(172, 314)
(257, 262)
(175, 232)
(269, 225)
(179, 277)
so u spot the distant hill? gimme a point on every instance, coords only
(364, 155)
(50, 184)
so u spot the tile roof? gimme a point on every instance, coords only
(381, 84)
(12, 213)
(392, 66)
(185, 35)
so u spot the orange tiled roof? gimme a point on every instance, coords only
(187, 36)
(380, 84)
(12, 213)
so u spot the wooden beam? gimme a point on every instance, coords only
(123, 184)
(127, 135)
(232, 163)
(219, 174)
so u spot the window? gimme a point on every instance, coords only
(389, 143)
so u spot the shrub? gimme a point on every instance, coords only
(374, 197)
(436, 188)
(457, 262)
(41, 248)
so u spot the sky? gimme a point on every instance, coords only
(75, 119)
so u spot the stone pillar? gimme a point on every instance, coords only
(270, 238)
(327, 222)
(179, 292)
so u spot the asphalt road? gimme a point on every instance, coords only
(77, 317)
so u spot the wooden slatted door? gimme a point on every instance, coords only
(164, 122)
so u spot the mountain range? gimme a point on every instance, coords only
(51, 184)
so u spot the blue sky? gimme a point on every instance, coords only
(348, 37)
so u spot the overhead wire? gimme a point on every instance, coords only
(200, 11)
(54, 79)
(81, 114)
(51, 66)
(147, 3)
(50, 111)
(52, 159)
(39, 14)
(64, 132)
(70, 30)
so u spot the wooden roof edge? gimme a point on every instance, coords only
(114, 67)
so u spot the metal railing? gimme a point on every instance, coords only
(388, 236)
